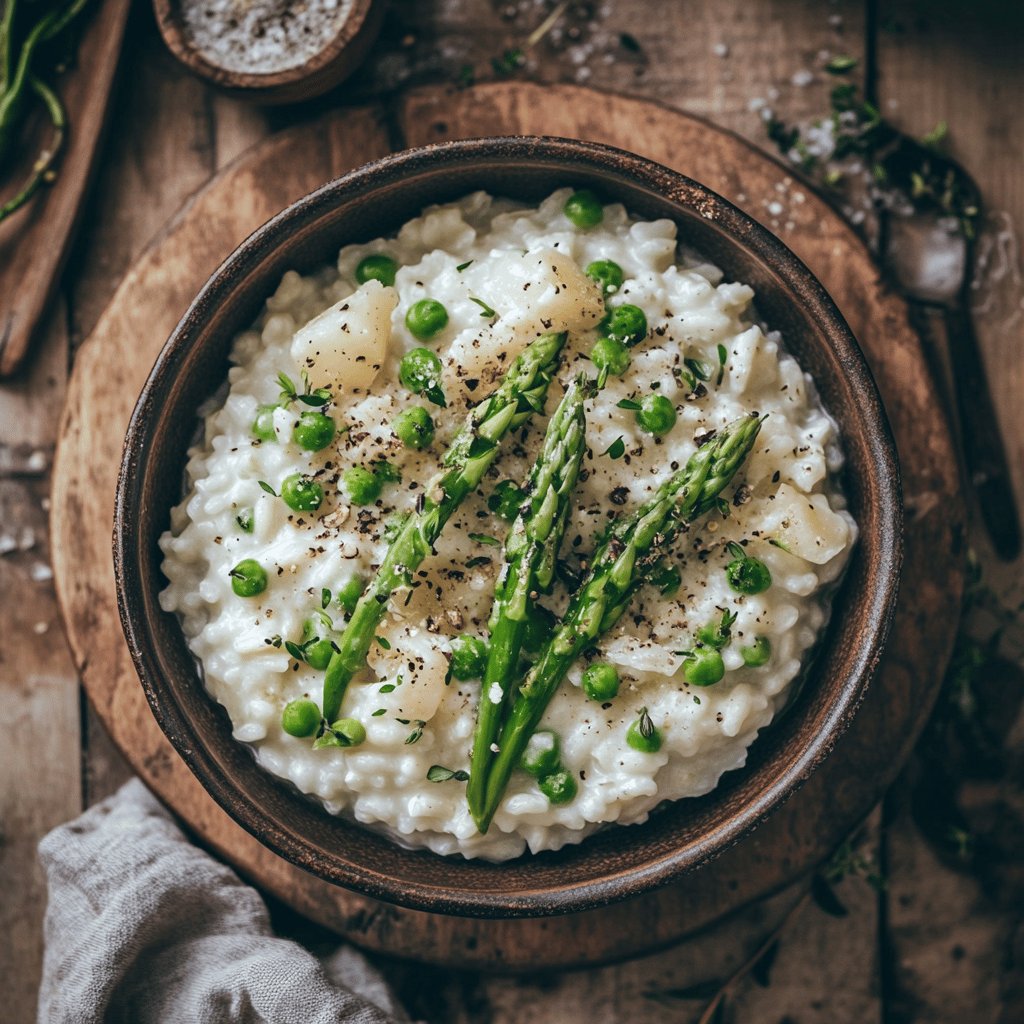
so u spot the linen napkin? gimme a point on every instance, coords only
(143, 927)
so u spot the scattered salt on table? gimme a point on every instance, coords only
(262, 36)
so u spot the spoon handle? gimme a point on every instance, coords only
(983, 449)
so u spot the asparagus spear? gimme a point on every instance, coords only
(531, 549)
(520, 394)
(629, 549)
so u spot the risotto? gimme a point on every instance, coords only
(340, 408)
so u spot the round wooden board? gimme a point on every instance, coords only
(113, 364)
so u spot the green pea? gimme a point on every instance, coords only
(506, 499)
(420, 372)
(426, 319)
(377, 267)
(542, 755)
(601, 681)
(318, 653)
(656, 415)
(584, 209)
(314, 431)
(625, 323)
(758, 653)
(747, 575)
(705, 668)
(350, 731)
(414, 427)
(301, 493)
(608, 274)
(469, 657)
(559, 787)
(263, 425)
(643, 735)
(386, 473)
(248, 578)
(717, 634)
(540, 624)
(361, 486)
(612, 355)
(300, 717)
(347, 595)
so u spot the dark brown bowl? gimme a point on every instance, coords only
(617, 862)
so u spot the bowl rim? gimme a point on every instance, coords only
(881, 586)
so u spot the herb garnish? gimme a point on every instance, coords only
(478, 560)
(297, 651)
(414, 736)
(723, 355)
(267, 487)
(325, 598)
(646, 726)
(628, 403)
(462, 266)
(700, 370)
(438, 773)
(289, 393)
(483, 538)
(246, 520)
(486, 310)
(616, 449)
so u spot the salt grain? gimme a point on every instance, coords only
(262, 36)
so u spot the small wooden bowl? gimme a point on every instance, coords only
(335, 62)
(617, 862)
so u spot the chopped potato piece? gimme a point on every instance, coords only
(805, 524)
(345, 346)
(532, 294)
(418, 657)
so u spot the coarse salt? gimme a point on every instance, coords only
(262, 37)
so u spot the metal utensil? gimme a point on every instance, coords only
(930, 253)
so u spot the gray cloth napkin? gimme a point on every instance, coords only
(141, 926)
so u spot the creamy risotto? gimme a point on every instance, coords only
(329, 432)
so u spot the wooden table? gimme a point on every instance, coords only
(933, 945)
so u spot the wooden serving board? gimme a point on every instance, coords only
(114, 362)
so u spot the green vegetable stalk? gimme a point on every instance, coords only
(531, 550)
(520, 394)
(21, 40)
(630, 548)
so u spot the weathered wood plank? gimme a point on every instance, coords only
(824, 971)
(936, 64)
(726, 60)
(952, 948)
(40, 755)
(161, 148)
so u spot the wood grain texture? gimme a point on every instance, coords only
(926, 52)
(34, 243)
(157, 289)
(40, 755)
(954, 935)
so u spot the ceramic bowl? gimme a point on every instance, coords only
(620, 861)
(320, 73)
